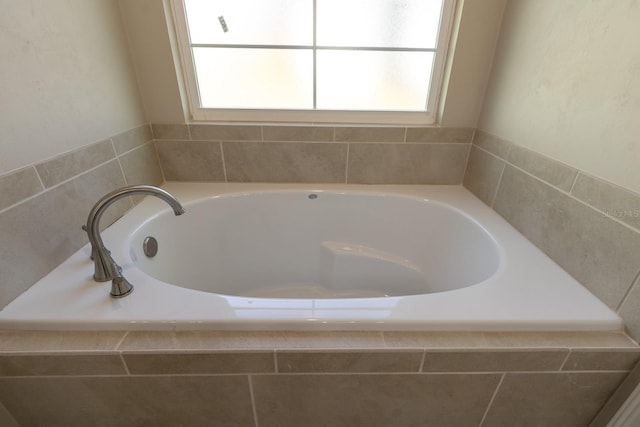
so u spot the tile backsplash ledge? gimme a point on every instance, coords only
(43, 206)
(590, 227)
(313, 154)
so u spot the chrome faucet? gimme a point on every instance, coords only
(105, 266)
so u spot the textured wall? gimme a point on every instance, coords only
(566, 83)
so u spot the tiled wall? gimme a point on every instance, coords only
(309, 378)
(590, 227)
(43, 206)
(342, 154)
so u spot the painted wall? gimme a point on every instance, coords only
(66, 78)
(158, 74)
(566, 84)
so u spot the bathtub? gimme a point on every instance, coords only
(315, 257)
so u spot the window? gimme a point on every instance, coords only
(313, 60)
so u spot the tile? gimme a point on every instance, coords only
(407, 163)
(285, 162)
(492, 143)
(349, 361)
(129, 401)
(39, 234)
(68, 165)
(141, 166)
(297, 133)
(200, 363)
(614, 201)
(169, 131)
(190, 160)
(617, 399)
(67, 364)
(507, 340)
(600, 253)
(549, 170)
(550, 399)
(630, 310)
(132, 138)
(6, 419)
(221, 340)
(369, 134)
(494, 360)
(44, 341)
(602, 360)
(19, 185)
(483, 174)
(225, 132)
(435, 134)
(372, 400)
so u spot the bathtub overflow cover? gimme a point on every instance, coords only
(313, 196)
(150, 246)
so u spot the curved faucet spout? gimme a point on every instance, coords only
(105, 267)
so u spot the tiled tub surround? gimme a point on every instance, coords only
(313, 154)
(310, 378)
(43, 206)
(590, 227)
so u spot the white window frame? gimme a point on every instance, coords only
(198, 113)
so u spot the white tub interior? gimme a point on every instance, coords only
(299, 244)
(270, 257)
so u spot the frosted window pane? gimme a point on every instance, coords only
(284, 22)
(378, 23)
(365, 80)
(254, 78)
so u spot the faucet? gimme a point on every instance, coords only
(105, 266)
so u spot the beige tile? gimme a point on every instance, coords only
(200, 363)
(129, 401)
(297, 133)
(550, 399)
(190, 160)
(407, 163)
(483, 174)
(602, 360)
(169, 131)
(369, 134)
(492, 143)
(600, 253)
(6, 419)
(285, 162)
(349, 361)
(630, 310)
(141, 166)
(617, 399)
(372, 400)
(66, 364)
(46, 341)
(435, 134)
(221, 340)
(614, 201)
(19, 185)
(68, 165)
(545, 168)
(225, 132)
(132, 138)
(494, 360)
(39, 234)
(505, 340)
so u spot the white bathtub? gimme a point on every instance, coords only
(316, 257)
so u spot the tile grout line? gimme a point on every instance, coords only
(44, 188)
(155, 149)
(575, 179)
(346, 166)
(495, 193)
(634, 282)
(564, 362)
(253, 400)
(424, 358)
(493, 398)
(275, 361)
(224, 163)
